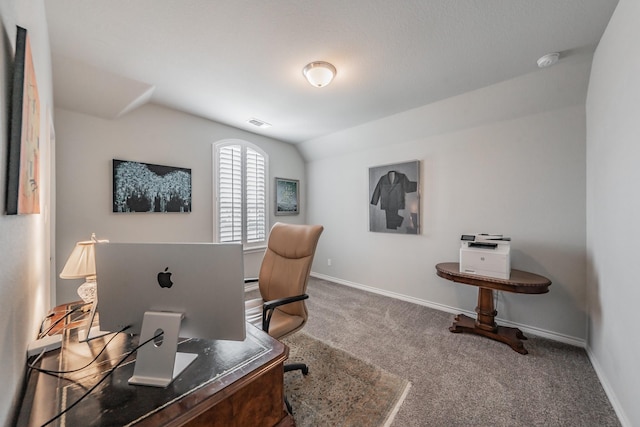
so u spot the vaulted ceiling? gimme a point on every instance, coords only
(230, 61)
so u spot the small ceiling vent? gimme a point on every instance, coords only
(258, 123)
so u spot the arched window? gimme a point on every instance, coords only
(240, 182)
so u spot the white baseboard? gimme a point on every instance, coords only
(613, 399)
(578, 342)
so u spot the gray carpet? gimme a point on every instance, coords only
(458, 379)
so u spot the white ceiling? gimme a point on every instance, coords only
(233, 60)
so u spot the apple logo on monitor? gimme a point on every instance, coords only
(164, 278)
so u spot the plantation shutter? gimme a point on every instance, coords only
(256, 212)
(242, 198)
(230, 193)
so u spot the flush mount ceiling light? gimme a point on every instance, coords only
(319, 73)
(548, 60)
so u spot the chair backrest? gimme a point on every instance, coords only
(287, 263)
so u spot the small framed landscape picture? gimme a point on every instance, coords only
(287, 196)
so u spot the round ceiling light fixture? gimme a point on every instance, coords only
(548, 60)
(319, 73)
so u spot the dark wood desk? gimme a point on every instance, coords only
(520, 282)
(229, 384)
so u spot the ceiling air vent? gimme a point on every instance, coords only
(259, 123)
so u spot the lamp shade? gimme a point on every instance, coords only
(81, 262)
(319, 73)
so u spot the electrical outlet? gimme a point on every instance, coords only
(329, 262)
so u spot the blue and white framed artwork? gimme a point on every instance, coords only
(145, 187)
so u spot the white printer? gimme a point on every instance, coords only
(486, 255)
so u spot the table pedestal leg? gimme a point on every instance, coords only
(486, 311)
(485, 324)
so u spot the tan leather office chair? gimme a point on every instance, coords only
(282, 281)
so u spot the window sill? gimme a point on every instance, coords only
(254, 249)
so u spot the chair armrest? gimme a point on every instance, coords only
(283, 301)
(269, 306)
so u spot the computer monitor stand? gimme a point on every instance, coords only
(88, 332)
(158, 362)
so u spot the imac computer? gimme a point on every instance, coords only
(189, 290)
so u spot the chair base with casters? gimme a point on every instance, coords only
(297, 367)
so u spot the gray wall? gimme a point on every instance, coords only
(613, 209)
(86, 146)
(24, 240)
(509, 158)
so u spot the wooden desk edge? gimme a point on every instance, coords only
(450, 271)
(193, 406)
(205, 405)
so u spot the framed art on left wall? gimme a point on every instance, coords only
(23, 175)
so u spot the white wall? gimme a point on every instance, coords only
(24, 249)
(613, 209)
(509, 158)
(86, 146)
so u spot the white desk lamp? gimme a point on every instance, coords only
(82, 265)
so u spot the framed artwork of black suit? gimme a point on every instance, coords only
(394, 198)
